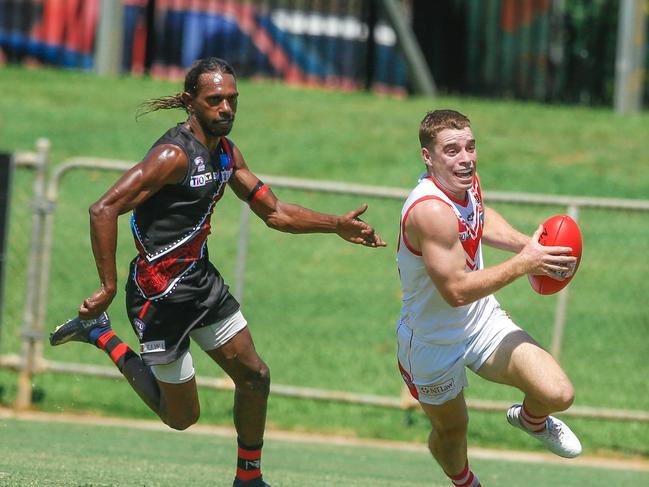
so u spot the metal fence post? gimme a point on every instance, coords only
(562, 306)
(30, 334)
(422, 78)
(630, 57)
(109, 39)
(7, 163)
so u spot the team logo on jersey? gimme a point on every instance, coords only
(139, 326)
(464, 233)
(154, 346)
(200, 163)
(436, 389)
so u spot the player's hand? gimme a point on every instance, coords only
(540, 260)
(96, 303)
(355, 230)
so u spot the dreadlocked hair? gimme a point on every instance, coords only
(199, 67)
(162, 103)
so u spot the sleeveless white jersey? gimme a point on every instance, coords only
(424, 310)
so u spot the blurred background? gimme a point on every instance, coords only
(332, 93)
(548, 50)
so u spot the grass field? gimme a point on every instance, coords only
(97, 455)
(322, 312)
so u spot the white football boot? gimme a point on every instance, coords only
(556, 436)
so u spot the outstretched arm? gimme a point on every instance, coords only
(165, 164)
(292, 218)
(498, 233)
(431, 228)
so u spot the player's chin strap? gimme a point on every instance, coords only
(259, 189)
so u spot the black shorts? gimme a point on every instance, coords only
(163, 326)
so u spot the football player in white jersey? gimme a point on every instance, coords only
(450, 319)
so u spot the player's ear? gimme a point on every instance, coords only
(426, 156)
(187, 99)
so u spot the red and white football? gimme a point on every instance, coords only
(561, 231)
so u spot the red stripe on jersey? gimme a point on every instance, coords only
(451, 197)
(228, 151)
(155, 278)
(476, 186)
(144, 308)
(405, 217)
(408, 380)
(471, 246)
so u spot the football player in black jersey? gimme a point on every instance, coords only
(173, 291)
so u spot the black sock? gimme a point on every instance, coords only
(130, 364)
(249, 462)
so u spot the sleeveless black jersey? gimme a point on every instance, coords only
(171, 227)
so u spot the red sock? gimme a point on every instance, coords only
(535, 424)
(249, 461)
(117, 350)
(465, 479)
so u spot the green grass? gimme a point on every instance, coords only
(341, 136)
(82, 455)
(322, 312)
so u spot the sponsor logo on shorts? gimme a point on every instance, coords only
(436, 389)
(139, 326)
(155, 346)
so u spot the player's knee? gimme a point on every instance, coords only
(256, 380)
(183, 422)
(180, 424)
(445, 439)
(561, 397)
(262, 380)
(450, 431)
(566, 398)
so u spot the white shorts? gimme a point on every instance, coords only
(208, 338)
(435, 374)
